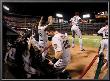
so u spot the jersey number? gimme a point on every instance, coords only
(66, 44)
(40, 34)
(106, 33)
(75, 19)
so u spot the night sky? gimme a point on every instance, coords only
(46, 9)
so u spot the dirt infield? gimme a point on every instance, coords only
(80, 60)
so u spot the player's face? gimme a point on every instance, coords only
(50, 33)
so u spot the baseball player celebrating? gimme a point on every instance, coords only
(61, 46)
(104, 41)
(75, 29)
(43, 37)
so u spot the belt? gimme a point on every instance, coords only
(41, 40)
(104, 38)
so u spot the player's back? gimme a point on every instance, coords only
(104, 31)
(66, 48)
(63, 45)
(42, 34)
(75, 20)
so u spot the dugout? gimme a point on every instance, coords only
(9, 35)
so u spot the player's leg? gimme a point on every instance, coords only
(73, 37)
(98, 52)
(106, 47)
(78, 32)
(105, 66)
(101, 46)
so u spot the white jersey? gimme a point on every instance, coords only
(60, 42)
(104, 42)
(75, 20)
(42, 34)
(27, 66)
(104, 31)
(11, 53)
(33, 42)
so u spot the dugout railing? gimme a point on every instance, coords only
(101, 63)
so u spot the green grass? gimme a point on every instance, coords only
(88, 40)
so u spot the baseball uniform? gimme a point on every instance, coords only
(43, 38)
(75, 28)
(104, 41)
(30, 70)
(61, 43)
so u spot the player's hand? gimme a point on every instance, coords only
(50, 23)
(83, 21)
(50, 62)
(5, 61)
(41, 17)
(50, 20)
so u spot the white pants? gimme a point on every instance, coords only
(104, 45)
(77, 30)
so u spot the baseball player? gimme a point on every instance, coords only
(29, 70)
(104, 41)
(43, 37)
(61, 46)
(10, 54)
(75, 29)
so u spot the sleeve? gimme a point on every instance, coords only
(100, 31)
(56, 44)
(45, 27)
(39, 27)
(34, 42)
(79, 18)
(71, 19)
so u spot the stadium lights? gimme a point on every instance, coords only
(86, 16)
(6, 8)
(59, 15)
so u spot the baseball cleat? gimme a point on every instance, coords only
(73, 46)
(82, 49)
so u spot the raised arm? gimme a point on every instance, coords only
(40, 21)
(50, 20)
